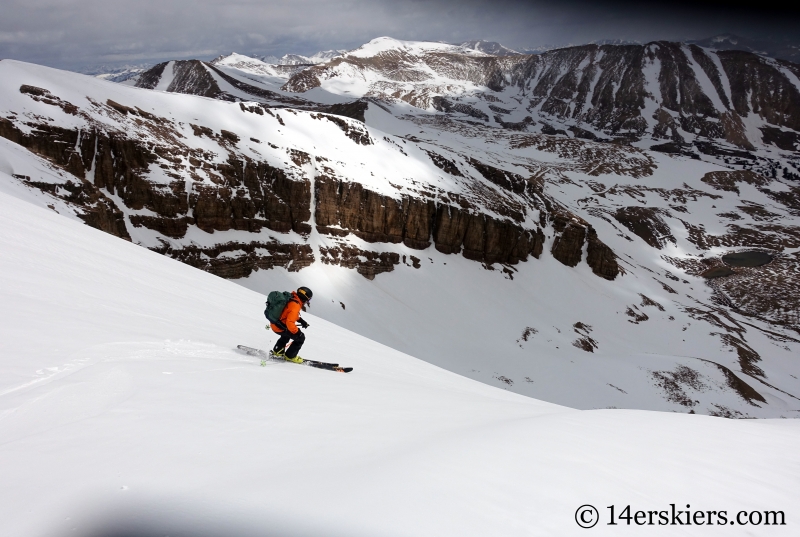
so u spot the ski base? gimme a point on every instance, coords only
(277, 358)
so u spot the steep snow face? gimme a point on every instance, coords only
(124, 409)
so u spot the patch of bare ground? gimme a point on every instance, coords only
(681, 196)
(592, 158)
(673, 383)
(666, 287)
(757, 212)
(584, 342)
(745, 391)
(790, 200)
(505, 380)
(769, 292)
(527, 334)
(733, 337)
(636, 316)
(646, 301)
(727, 180)
(724, 412)
(748, 357)
(770, 235)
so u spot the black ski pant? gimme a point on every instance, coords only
(297, 341)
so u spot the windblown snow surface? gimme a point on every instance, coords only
(126, 410)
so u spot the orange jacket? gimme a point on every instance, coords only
(290, 315)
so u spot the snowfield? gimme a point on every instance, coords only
(124, 407)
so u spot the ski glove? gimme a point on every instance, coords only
(302, 323)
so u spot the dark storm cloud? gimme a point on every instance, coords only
(74, 33)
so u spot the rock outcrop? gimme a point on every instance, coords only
(365, 262)
(572, 233)
(570, 237)
(344, 207)
(646, 222)
(235, 260)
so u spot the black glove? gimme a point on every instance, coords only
(302, 323)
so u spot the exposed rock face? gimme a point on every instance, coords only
(572, 233)
(728, 180)
(343, 207)
(241, 259)
(614, 102)
(100, 212)
(354, 131)
(600, 257)
(354, 110)
(250, 195)
(444, 164)
(506, 180)
(350, 257)
(443, 105)
(188, 76)
(786, 140)
(647, 223)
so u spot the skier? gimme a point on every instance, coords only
(288, 329)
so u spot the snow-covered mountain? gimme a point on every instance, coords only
(126, 410)
(679, 94)
(117, 73)
(298, 59)
(555, 262)
(487, 47)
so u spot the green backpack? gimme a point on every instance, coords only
(276, 303)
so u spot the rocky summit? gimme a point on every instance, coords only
(569, 216)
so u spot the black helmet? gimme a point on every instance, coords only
(304, 293)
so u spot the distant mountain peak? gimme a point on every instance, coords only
(492, 48)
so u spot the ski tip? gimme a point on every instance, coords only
(344, 369)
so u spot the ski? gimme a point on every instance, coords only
(322, 365)
(311, 363)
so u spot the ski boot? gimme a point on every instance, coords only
(296, 359)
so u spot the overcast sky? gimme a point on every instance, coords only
(76, 34)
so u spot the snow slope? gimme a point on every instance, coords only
(125, 408)
(655, 341)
